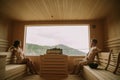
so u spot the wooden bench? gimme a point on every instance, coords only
(12, 70)
(103, 72)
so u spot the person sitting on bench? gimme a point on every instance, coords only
(89, 58)
(21, 59)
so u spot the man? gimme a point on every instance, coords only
(89, 58)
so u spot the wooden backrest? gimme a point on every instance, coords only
(114, 63)
(104, 58)
(10, 58)
(54, 65)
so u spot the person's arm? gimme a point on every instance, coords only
(97, 51)
(23, 54)
(97, 57)
(14, 51)
(10, 49)
(86, 57)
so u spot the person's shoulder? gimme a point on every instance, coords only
(98, 49)
(94, 48)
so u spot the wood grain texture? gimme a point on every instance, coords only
(98, 74)
(4, 34)
(36, 60)
(54, 65)
(2, 67)
(104, 58)
(56, 9)
(37, 77)
(112, 34)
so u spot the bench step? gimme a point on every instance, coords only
(98, 74)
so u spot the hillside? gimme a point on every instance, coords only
(34, 49)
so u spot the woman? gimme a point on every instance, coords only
(21, 59)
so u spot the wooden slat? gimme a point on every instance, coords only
(9, 57)
(53, 65)
(111, 68)
(94, 74)
(104, 58)
(56, 9)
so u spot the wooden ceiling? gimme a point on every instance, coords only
(33, 10)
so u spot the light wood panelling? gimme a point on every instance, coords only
(3, 45)
(98, 74)
(112, 36)
(104, 58)
(56, 9)
(54, 65)
(36, 60)
(112, 31)
(4, 33)
(37, 77)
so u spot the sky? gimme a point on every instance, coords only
(73, 36)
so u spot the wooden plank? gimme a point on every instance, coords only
(96, 74)
(53, 65)
(104, 58)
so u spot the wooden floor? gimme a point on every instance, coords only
(37, 77)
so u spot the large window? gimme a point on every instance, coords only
(74, 40)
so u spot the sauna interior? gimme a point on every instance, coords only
(101, 16)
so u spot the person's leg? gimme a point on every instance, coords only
(33, 67)
(26, 61)
(30, 65)
(79, 67)
(74, 69)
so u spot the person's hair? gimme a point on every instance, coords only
(16, 43)
(95, 41)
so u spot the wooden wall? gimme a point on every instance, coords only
(5, 34)
(112, 32)
(112, 36)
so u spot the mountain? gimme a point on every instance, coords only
(70, 51)
(34, 49)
